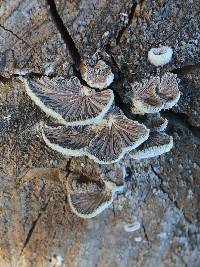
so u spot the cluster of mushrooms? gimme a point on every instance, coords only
(87, 123)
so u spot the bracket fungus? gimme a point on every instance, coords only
(157, 144)
(70, 141)
(116, 136)
(67, 101)
(105, 143)
(97, 76)
(154, 94)
(87, 123)
(89, 198)
(144, 97)
(155, 122)
(160, 56)
(168, 90)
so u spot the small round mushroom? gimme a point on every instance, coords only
(155, 122)
(160, 56)
(89, 198)
(97, 76)
(132, 227)
(105, 143)
(156, 145)
(168, 90)
(145, 99)
(69, 102)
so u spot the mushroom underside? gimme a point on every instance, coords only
(156, 145)
(105, 144)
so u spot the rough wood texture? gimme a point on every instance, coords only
(29, 40)
(37, 227)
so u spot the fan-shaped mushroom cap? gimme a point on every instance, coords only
(104, 143)
(89, 198)
(115, 136)
(168, 90)
(145, 99)
(69, 141)
(155, 122)
(154, 94)
(160, 56)
(68, 101)
(98, 76)
(157, 144)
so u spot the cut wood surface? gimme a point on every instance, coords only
(37, 228)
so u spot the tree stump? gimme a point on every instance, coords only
(48, 38)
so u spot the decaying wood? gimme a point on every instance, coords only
(30, 41)
(37, 227)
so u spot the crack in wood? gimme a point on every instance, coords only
(19, 38)
(29, 74)
(75, 55)
(187, 69)
(145, 233)
(14, 34)
(130, 19)
(31, 230)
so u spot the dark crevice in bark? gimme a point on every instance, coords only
(77, 73)
(29, 74)
(168, 195)
(64, 33)
(119, 103)
(4, 79)
(33, 227)
(114, 66)
(145, 233)
(113, 210)
(181, 119)
(130, 18)
(187, 69)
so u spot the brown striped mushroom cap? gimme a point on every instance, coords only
(168, 90)
(105, 143)
(144, 97)
(155, 122)
(70, 141)
(97, 76)
(67, 101)
(89, 198)
(115, 136)
(157, 144)
(154, 94)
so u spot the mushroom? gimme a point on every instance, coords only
(157, 144)
(105, 143)
(154, 94)
(160, 56)
(70, 141)
(115, 136)
(168, 90)
(155, 122)
(144, 98)
(89, 198)
(97, 76)
(67, 101)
